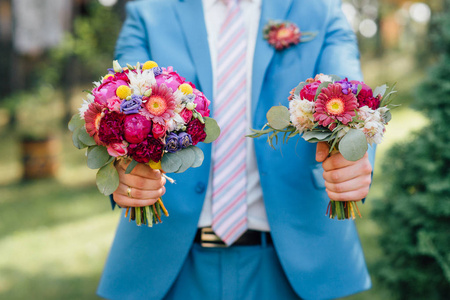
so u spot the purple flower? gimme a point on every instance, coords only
(184, 140)
(345, 84)
(131, 106)
(157, 71)
(172, 142)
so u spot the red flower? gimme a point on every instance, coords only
(148, 149)
(122, 76)
(158, 130)
(136, 128)
(92, 116)
(186, 114)
(197, 131)
(365, 96)
(332, 105)
(309, 91)
(111, 128)
(282, 35)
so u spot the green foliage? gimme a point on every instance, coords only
(415, 210)
(212, 130)
(353, 145)
(86, 50)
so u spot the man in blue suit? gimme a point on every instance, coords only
(291, 250)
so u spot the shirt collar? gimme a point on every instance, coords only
(207, 4)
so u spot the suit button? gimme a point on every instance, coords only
(200, 187)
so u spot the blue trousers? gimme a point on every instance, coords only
(235, 273)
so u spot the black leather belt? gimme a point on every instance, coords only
(207, 238)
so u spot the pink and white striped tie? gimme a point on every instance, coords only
(229, 201)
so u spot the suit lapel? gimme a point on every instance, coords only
(190, 15)
(270, 10)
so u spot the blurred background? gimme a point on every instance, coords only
(56, 228)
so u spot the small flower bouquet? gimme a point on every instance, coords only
(282, 35)
(144, 114)
(348, 115)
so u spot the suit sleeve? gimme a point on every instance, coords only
(133, 44)
(339, 53)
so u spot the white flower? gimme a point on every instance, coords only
(84, 107)
(372, 126)
(175, 123)
(141, 81)
(178, 95)
(324, 78)
(301, 114)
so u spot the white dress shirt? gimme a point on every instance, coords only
(215, 13)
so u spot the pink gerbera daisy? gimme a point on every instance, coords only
(160, 105)
(332, 105)
(93, 116)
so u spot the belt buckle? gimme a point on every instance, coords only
(209, 239)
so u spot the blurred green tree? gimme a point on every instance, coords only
(414, 213)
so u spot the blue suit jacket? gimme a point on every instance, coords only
(322, 258)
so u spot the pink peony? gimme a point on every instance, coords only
(107, 90)
(117, 149)
(308, 92)
(159, 130)
(202, 103)
(136, 128)
(171, 79)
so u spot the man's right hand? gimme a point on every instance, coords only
(145, 185)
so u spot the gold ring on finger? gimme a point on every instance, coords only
(129, 192)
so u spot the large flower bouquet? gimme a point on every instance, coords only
(348, 115)
(143, 114)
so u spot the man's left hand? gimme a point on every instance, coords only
(344, 180)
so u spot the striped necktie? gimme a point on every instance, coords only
(229, 201)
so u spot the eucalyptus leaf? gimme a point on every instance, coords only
(212, 130)
(319, 89)
(107, 179)
(98, 156)
(199, 156)
(358, 89)
(85, 138)
(131, 166)
(353, 145)
(387, 116)
(170, 162)
(316, 135)
(335, 78)
(76, 141)
(278, 117)
(75, 122)
(380, 90)
(187, 157)
(299, 88)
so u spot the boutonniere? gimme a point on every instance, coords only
(282, 35)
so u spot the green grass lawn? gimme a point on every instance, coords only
(55, 233)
